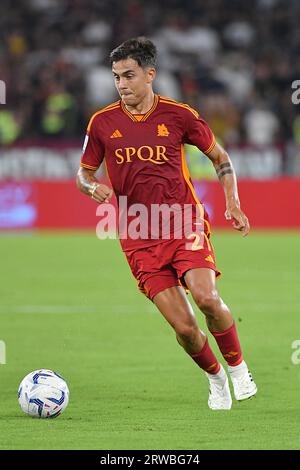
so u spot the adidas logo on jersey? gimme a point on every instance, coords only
(116, 134)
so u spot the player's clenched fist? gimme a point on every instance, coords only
(101, 193)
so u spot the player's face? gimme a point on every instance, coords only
(132, 81)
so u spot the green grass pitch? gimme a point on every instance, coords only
(70, 303)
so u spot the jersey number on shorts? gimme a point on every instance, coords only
(198, 243)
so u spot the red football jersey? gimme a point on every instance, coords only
(144, 154)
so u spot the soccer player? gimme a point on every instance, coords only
(142, 137)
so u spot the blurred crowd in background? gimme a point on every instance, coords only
(233, 60)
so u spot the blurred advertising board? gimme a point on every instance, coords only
(38, 190)
(59, 204)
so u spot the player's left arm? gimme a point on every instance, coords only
(227, 177)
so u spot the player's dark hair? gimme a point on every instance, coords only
(140, 49)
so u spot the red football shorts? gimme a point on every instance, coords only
(161, 266)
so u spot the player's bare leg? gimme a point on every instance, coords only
(202, 285)
(176, 309)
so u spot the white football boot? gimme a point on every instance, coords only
(243, 384)
(219, 393)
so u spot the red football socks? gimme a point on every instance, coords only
(206, 359)
(229, 345)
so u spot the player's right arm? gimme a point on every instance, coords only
(88, 184)
(92, 157)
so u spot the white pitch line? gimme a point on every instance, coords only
(72, 309)
(48, 309)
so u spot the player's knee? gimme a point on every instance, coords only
(208, 302)
(186, 331)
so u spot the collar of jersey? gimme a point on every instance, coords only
(145, 117)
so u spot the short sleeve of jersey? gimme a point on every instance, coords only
(197, 132)
(93, 148)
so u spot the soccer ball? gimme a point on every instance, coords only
(43, 394)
